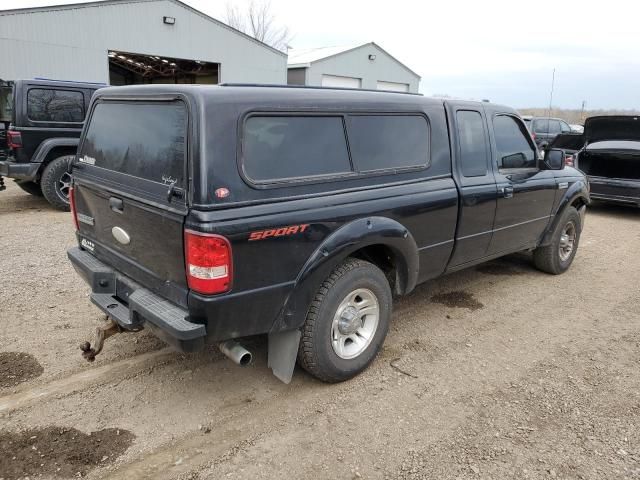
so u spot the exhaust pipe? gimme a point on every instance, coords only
(236, 352)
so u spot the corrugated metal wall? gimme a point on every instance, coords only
(72, 43)
(356, 63)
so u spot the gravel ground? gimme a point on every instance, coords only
(495, 372)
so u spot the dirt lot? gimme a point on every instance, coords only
(495, 372)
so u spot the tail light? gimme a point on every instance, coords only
(569, 160)
(72, 205)
(208, 261)
(533, 135)
(14, 139)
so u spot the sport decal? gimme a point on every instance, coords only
(277, 232)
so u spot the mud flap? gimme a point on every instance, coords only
(582, 211)
(283, 351)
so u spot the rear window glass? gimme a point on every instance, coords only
(380, 142)
(146, 140)
(285, 147)
(47, 105)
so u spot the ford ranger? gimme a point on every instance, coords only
(213, 213)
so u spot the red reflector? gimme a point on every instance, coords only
(72, 205)
(208, 262)
(14, 139)
(222, 192)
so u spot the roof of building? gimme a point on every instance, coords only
(100, 3)
(304, 57)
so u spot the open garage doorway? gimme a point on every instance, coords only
(136, 68)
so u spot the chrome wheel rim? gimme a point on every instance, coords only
(567, 241)
(64, 183)
(355, 323)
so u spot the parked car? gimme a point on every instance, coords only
(46, 121)
(5, 119)
(610, 157)
(545, 129)
(216, 213)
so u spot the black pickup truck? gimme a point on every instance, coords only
(216, 213)
(41, 136)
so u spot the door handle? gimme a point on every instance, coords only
(507, 192)
(116, 204)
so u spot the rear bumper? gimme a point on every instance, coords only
(20, 171)
(134, 307)
(615, 190)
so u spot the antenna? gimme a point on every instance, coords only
(553, 81)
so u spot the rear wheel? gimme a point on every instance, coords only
(31, 188)
(347, 322)
(557, 257)
(56, 181)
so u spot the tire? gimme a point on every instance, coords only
(55, 182)
(353, 285)
(556, 258)
(32, 188)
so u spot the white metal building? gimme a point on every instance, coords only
(365, 66)
(132, 41)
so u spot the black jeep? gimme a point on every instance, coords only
(42, 138)
(216, 213)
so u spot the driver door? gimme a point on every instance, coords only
(526, 193)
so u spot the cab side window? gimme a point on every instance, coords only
(565, 128)
(514, 149)
(473, 145)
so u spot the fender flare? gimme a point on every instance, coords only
(49, 144)
(579, 189)
(336, 248)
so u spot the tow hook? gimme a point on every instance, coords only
(102, 332)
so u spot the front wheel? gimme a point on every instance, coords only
(347, 322)
(56, 181)
(557, 257)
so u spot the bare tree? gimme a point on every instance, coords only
(258, 21)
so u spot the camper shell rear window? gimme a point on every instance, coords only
(146, 140)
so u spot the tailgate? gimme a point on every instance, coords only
(129, 191)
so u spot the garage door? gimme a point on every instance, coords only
(393, 86)
(341, 82)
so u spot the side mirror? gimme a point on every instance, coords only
(554, 159)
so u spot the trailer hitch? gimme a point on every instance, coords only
(102, 332)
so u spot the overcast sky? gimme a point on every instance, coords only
(504, 51)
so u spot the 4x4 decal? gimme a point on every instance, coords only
(278, 232)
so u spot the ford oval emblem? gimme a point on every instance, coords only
(120, 235)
